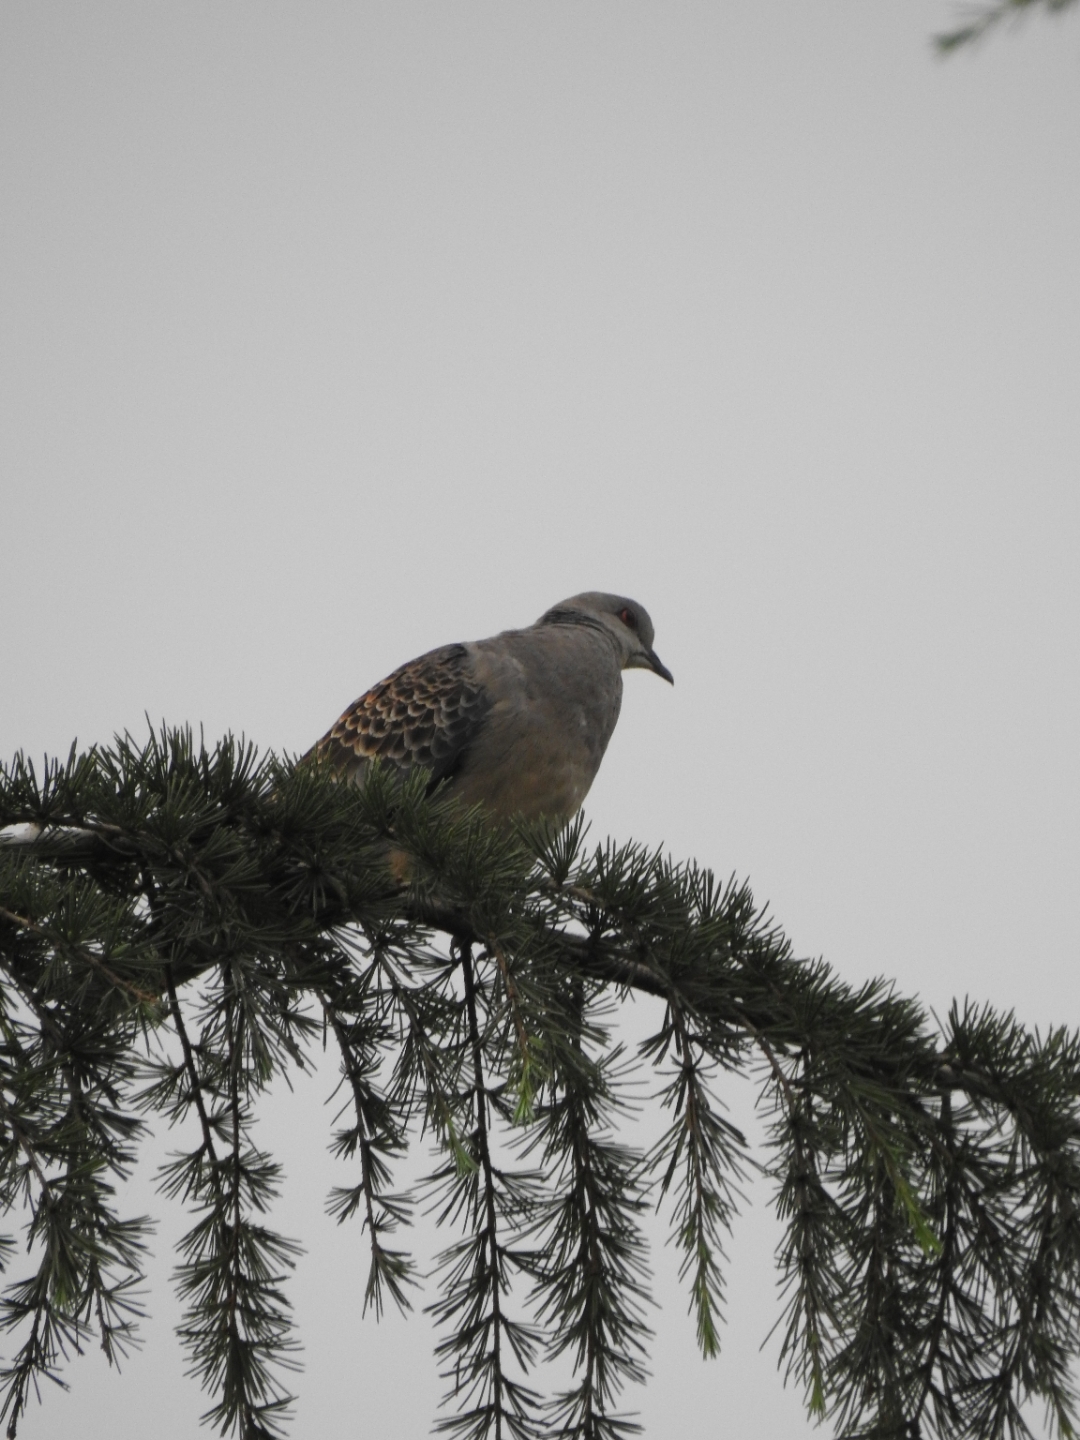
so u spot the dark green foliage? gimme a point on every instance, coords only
(182, 926)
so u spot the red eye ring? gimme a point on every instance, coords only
(628, 618)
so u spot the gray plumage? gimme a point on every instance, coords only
(518, 723)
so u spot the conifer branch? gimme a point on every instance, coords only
(708, 1154)
(590, 1271)
(489, 1265)
(235, 1327)
(490, 1202)
(373, 1131)
(981, 19)
(928, 1176)
(84, 956)
(57, 1072)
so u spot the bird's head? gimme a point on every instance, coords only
(624, 620)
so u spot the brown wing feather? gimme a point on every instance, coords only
(427, 713)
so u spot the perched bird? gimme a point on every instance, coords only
(518, 723)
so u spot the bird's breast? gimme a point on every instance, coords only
(546, 734)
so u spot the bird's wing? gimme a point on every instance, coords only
(427, 713)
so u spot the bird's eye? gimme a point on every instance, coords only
(628, 618)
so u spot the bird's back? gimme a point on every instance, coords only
(517, 723)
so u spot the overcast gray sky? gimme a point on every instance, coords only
(332, 332)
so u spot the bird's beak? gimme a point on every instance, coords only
(649, 660)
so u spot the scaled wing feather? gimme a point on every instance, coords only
(427, 713)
